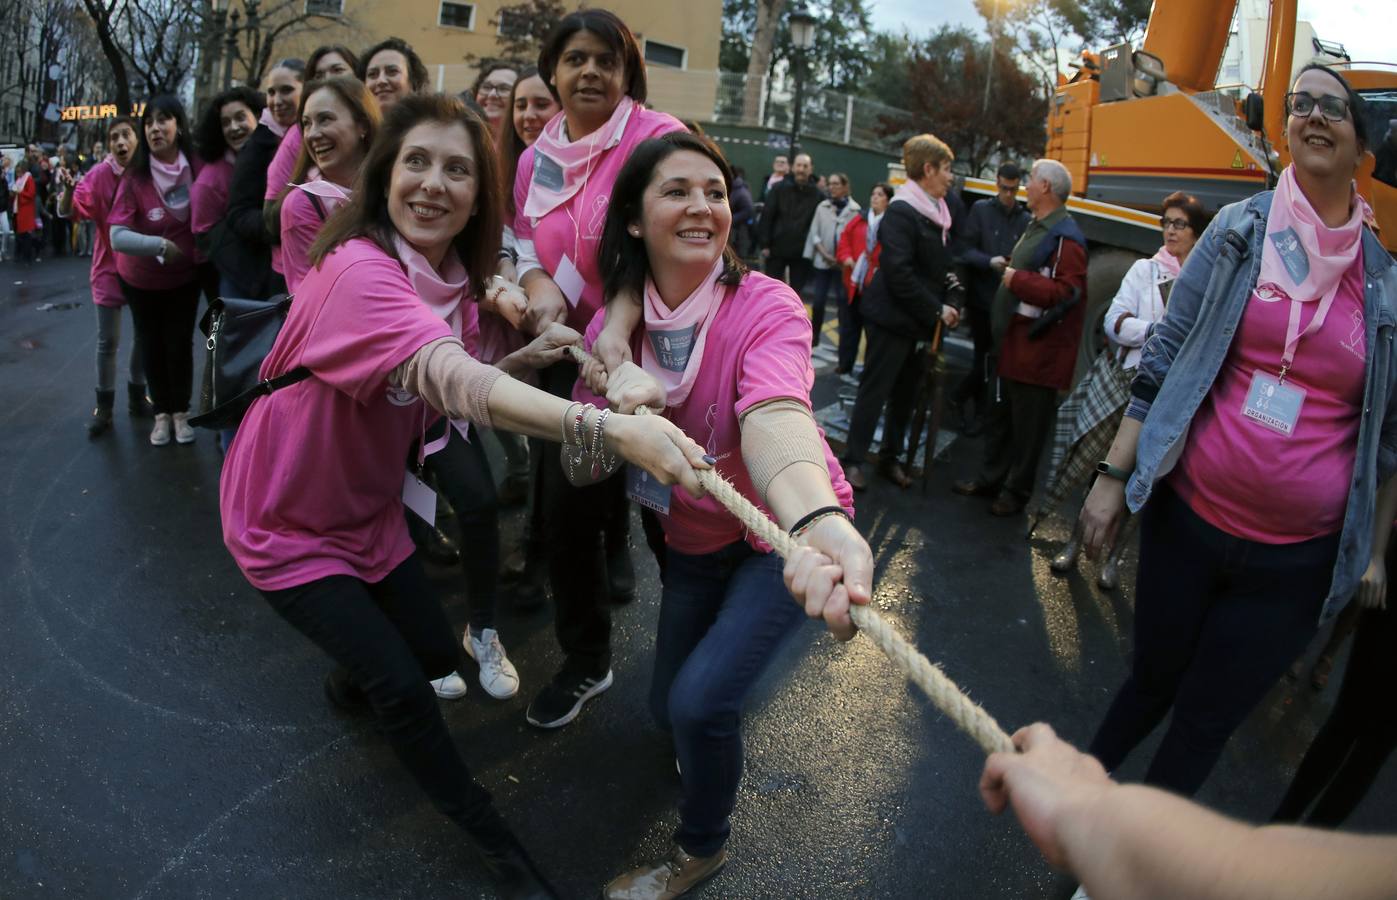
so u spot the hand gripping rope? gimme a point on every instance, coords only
(970, 717)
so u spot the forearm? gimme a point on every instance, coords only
(1386, 508)
(450, 380)
(133, 243)
(784, 455)
(544, 294)
(1122, 452)
(1141, 843)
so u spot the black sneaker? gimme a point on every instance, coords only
(561, 699)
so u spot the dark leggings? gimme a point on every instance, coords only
(1217, 621)
(165, 325)
(463, 475)
(1361, 733)
(387, 639)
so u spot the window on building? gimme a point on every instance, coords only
(324, 7)
(457, 15)
(657, 54)
(513, 24)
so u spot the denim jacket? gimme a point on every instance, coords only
(1191, 342)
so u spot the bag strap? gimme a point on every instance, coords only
(319, 207)
(230, 413)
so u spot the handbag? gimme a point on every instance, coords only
(240, 335)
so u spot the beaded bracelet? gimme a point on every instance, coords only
(804, 522)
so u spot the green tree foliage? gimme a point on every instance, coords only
(839, 58)
(1116, 21)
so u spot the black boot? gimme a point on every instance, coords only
(101, 416)
(137, 403)
(514, 873)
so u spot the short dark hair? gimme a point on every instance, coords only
(490, 67)
(416, 71)
(366, 212)
(212, 144)
(325, 50)
(622, 256)
(886, 188)
(295, 64)
(606, 25)
(1010, 172)
(1356, 107)
(130, 123)
(170, 105)
(1192, 209)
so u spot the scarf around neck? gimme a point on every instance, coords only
(270, 121)
(172, 181)
(934, 209)
(116, 167)
(442, 291)
(562, 167)
(1303, 259)
(672, 351)
(861, 266)
(1168, 263)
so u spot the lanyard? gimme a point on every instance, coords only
(1293, 333)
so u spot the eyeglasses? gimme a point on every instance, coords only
(1334, 109)
(499, 90)
(1177, 224)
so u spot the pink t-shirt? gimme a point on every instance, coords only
(92, 199)
(300, 223)
(574, 229)
(758, 349)
(279, 175)
(209, 195)
(312, 485)
(139, 207)
(1255, 483)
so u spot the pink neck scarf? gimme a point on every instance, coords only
(326, 190)
(562, 167)
(172, 180)
(934, 209)
(672, 351)
(1167, 262)
(117, 167)
(442, 291)
(267, 119)
(1303, 259)
(229, 156)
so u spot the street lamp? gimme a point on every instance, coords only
(802, 39)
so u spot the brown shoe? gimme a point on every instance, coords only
(896, 473)
(664, 879)
(1007, 504)
(853, 473)
(973, 488)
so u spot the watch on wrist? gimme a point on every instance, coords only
(1110, 471)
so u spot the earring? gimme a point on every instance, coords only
(635, 232)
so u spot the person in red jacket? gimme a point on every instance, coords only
(23, 204)
(1036, 321)
(858, 252)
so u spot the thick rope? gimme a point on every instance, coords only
(970, 717)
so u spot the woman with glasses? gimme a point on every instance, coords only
(491, 91)
(1262, 429)
(1087, 420)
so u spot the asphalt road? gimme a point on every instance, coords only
(163, 734)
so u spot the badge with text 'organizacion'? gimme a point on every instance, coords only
(1273, 403)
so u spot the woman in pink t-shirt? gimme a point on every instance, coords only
(227, 124)
(1258, 440)
(150, 232)
(726, 353)
(93, 197)
(338, 118)
(592, 63)
(312, 490)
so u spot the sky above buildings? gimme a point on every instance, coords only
(1362, 26)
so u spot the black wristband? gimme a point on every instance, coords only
(809, 517)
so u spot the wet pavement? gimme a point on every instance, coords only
(164, 735)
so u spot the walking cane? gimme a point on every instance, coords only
(930, 401)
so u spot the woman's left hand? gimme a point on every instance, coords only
(1372, 590)
(832, 568)
(630, 386)
(550, 346)
(507, 300)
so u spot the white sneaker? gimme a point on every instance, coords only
(1080, 893)
(184, 434)
(452, 687)
(497, 674)
(160, 434)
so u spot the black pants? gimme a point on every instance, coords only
(799, 267)
(387, 640)
(165, 323)
(850, 330)
(1217, 620)
(1360, 733)
(583, 525)
(892, 370)
(462, 474)
(823, 284)
(976, 381)
(27, 245)
(1016, 429)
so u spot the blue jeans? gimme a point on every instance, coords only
(824, 283)
(723, 615)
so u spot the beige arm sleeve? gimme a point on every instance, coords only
(450, 380)
(777, 435)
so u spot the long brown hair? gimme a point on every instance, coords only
(362, 106)
(366, 213)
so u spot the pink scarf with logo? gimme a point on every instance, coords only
(270, 121)
(173, 181)
(672, 351)
(1303, 259)
(933, 208)
(1167, 262)
(442, 291)
(562, 167)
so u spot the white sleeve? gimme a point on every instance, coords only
(528, 257)
(1131, 298)
(133, 243)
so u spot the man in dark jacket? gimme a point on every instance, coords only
(992, 228)
(740, 202)
(902, 306)
(1035, 322)
(785, 223)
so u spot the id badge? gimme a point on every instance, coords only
(1274, 404)
(569, 280)
(645, 490)
(547, 173)
(419, 497)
